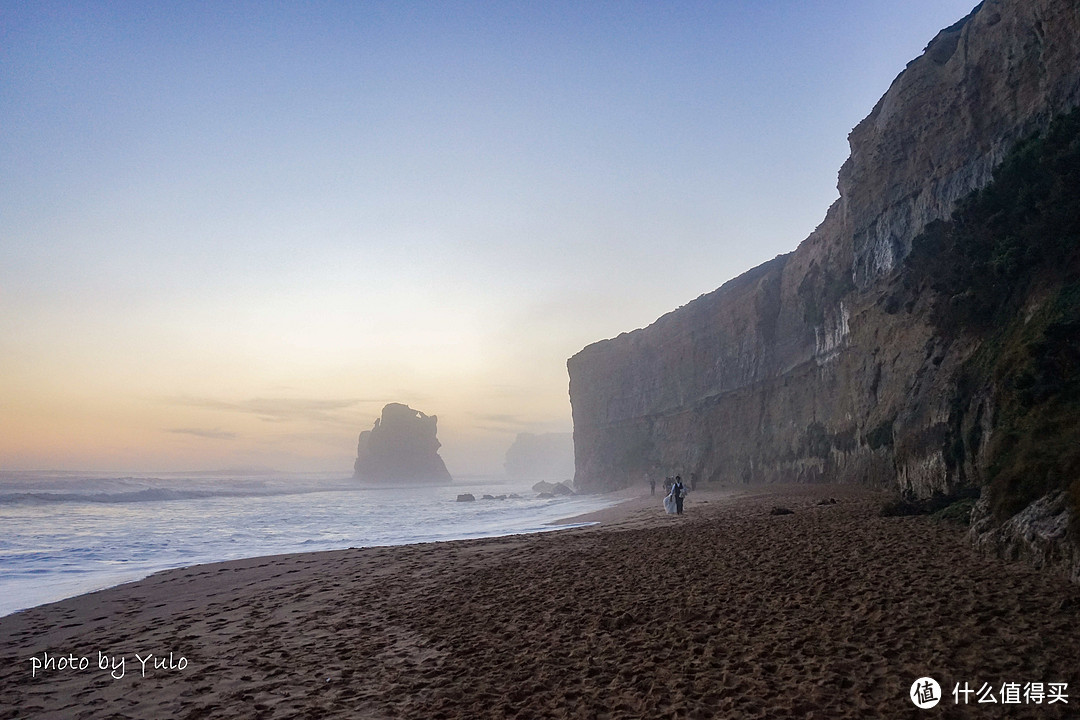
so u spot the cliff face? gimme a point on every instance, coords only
(814, 366)
(948, 120)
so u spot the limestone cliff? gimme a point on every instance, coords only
(829, 363)
(401, 448)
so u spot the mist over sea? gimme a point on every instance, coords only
(64, 534)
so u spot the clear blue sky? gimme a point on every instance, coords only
(230, 232)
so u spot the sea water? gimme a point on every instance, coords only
(64, 534)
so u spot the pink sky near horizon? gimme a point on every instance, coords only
(231, 232)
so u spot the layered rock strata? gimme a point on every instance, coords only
(801, 369)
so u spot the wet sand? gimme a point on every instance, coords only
(729, 611)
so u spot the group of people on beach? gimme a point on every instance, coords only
(674, 493)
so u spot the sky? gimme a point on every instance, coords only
(231, 232)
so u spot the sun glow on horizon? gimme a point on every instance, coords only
(229, 237)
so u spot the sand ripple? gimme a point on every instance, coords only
(730, 611)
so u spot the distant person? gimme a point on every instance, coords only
(652, 486)
(668, 482)
(670, 506)
(678, 491)
(693, 481)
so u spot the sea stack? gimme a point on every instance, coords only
(401, 448)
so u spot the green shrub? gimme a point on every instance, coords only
(1015, 240)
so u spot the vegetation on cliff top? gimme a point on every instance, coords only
(1006, 269)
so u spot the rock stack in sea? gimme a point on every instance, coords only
(401, 448)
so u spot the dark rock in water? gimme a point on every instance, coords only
(488, 497)
(546, 495)
(558, 488)
(466, 497)
(401, 448)
(777, 510)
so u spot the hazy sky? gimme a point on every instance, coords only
(231, 232)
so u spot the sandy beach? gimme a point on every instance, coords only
(729, 611)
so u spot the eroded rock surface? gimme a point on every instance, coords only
(401, 448)
(814, 366)
(794, 370)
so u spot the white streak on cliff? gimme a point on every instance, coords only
(832, 336)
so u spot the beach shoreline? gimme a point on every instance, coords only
(130, 529)
(727, 611)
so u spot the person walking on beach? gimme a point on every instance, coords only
(669, 502)
(678, 490)
(652, 486)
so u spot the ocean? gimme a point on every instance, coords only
(67, 533)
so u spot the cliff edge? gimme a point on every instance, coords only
(848, 359)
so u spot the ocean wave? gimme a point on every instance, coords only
(137, 496)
